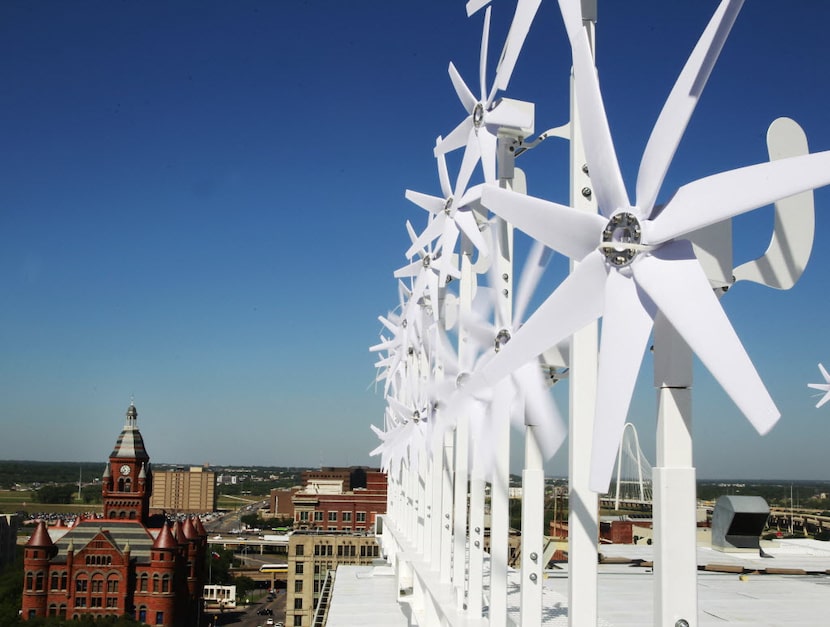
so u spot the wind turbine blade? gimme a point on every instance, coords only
(578, 300)
(464, 94)
(443, 173)
(675, 281)
(599, 147)
(823, 400)
(482, 60)
(433, 204)
(535, 266)
(519, 27)
(487, 147)
(670, 126)
(433, 230)
(466, 221)
(566, 230)
(540, 410)
(458, 137)
(475, 5)
(626, 326)
(413, 269)
(725, 195)
(472, 154)
(824, 373)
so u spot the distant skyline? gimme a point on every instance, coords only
(202, 204)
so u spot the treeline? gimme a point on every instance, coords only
(776, 493)
(27, 473)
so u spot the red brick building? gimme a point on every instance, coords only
(340, 499)
(122, 563)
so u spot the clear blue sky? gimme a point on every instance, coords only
(202, 204)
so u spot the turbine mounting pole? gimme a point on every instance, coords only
(583, 520)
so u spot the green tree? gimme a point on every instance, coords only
(62, 494)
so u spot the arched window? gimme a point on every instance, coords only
(53, 610)
(53, 582)
(112, 583)
(142, 614)
(97, 584)
(62, 610)
(165, 583)
(121, 485)
(30, 581)
(63, 580)
(155, 583)
(132, 515)
(142, 582)
(128, 485)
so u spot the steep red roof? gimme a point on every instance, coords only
(200, 528)
(188, 529)
(40, 538)
(165, 539)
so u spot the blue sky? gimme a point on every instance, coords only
(202, 204)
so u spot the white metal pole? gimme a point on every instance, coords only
(675, 556)
(583, 522)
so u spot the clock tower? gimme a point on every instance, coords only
(127, 481)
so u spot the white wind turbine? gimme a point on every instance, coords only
(477, 133)
(824, 387)
(634, 260)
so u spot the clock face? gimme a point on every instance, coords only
(125, 469)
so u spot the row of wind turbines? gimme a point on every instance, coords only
(463, 354)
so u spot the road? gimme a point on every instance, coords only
(248, 617)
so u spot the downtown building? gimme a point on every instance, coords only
(184, 491)
(123, 563)
(334, 523)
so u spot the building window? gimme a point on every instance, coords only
(39, 581)
(112, 602)
(155, 583)
(63, 580)
(303, 516)
(298, 603)
(159, 618)
(332, 516)
(95, 602)
(142, 614)
(97, 584)
(347, 517)
(298, 568)
(30, 581)
(298, 550)
(361, 517)
(80, 601)
(54, 583)
(165, 583)
(112, 584)
(318, 516)
(53, 610)
(142, 582)
(298, 585)
(298, 621)
(81, 584)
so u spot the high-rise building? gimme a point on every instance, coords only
(188, 491)
(123, 563)
(313, 558)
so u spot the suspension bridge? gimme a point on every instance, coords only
(631, 485)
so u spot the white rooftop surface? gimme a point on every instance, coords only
(625, 590)
(366, 596)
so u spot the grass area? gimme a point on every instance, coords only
(226, 501)
(14, 501)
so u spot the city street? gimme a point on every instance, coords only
(248, 617)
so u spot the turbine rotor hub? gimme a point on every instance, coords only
(502, 338)
(478, 115)
(621, 239)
